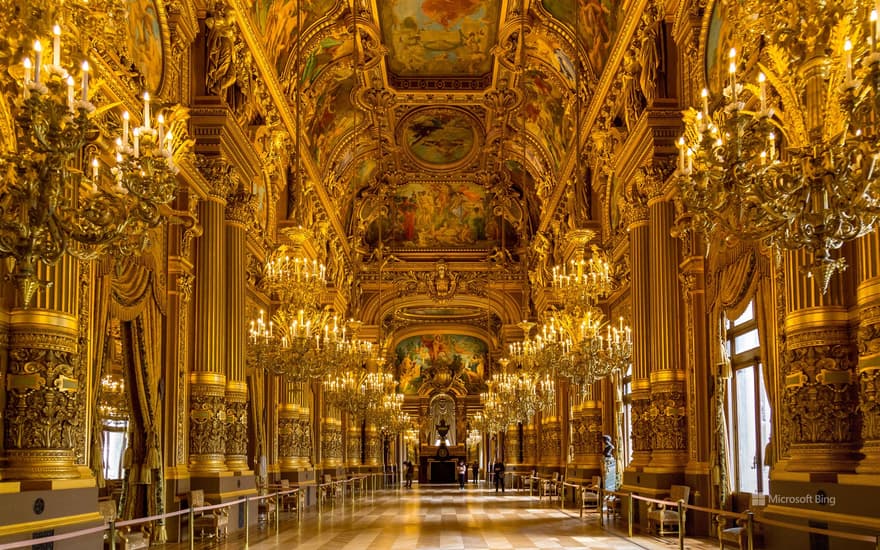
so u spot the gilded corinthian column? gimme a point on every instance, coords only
(238, 211)
(668, 410)
(45, 380)
(869, 351)
(207, 436)
(641, 323)
(820, 394)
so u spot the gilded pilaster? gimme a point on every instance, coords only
(641, 322)
(512, 446)
(372, 446)
(530, 445)
(331, 442)
(208, 426)
(238, 212)
(587, 434)
(868, 341)
(207, 422)
(236, 425)
(820, 394)
(288, 440)
(43, 382)
(353, 445)
(668, 402)
(551, 442)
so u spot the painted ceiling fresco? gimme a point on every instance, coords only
(440, 137)
(598, 22)
(439, 37)
(276, 21)
(442, 361)
(434, 214)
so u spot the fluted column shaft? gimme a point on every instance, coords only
(869, 351)
(641, 332)
(238, 211)
(46, 384)
(208, 379)
(820, 394)
(668, 399)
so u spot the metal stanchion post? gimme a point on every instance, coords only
(192, 528)
(750, 530)
(113, 535)
(600, 496)
(680, 524)
(247, 526)
(278, 512)
(629, 514)
(320, 490)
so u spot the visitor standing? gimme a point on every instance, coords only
(462, 473)
(408, 472)
(498, 471)
(476, 468)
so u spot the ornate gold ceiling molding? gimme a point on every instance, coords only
(270, 78)
(596, 100)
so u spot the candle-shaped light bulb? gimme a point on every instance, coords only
(705, 95)
(169, 141)
(26, 63)
(772, 139)
(732, 56)
(847, 57)
(147, 110)
(85, 80)
(125, 118)
(56, 45)
(762, 82)
(95, 168)
(70, 93)
(160, 123)
(38, 60)
(137, 142)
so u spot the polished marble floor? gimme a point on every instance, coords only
(445, 517)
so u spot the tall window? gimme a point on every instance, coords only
(748, 406)
(115, 437)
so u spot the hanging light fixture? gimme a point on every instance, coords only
(55, 198)
(788, 156)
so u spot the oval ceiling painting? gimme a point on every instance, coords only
(440, 138)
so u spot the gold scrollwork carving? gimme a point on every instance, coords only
(207, 423)
(668, 413)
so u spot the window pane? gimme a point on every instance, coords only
(746, 341)
(746, 438)
(765, 432)
(114, 446)
(745, 317)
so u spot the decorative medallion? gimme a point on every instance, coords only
(440, 138)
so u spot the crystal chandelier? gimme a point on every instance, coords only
(584, 353)
(389, 416)
(55, 199)
(787, 156)
(357, 391)
(580, 283)
(494, 417)
(291, 276)
(521, 393)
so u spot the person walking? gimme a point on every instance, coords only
(462, 473)
(498, 471)
(476, 468)
(408, 473)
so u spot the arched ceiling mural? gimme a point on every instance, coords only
(433, 130)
